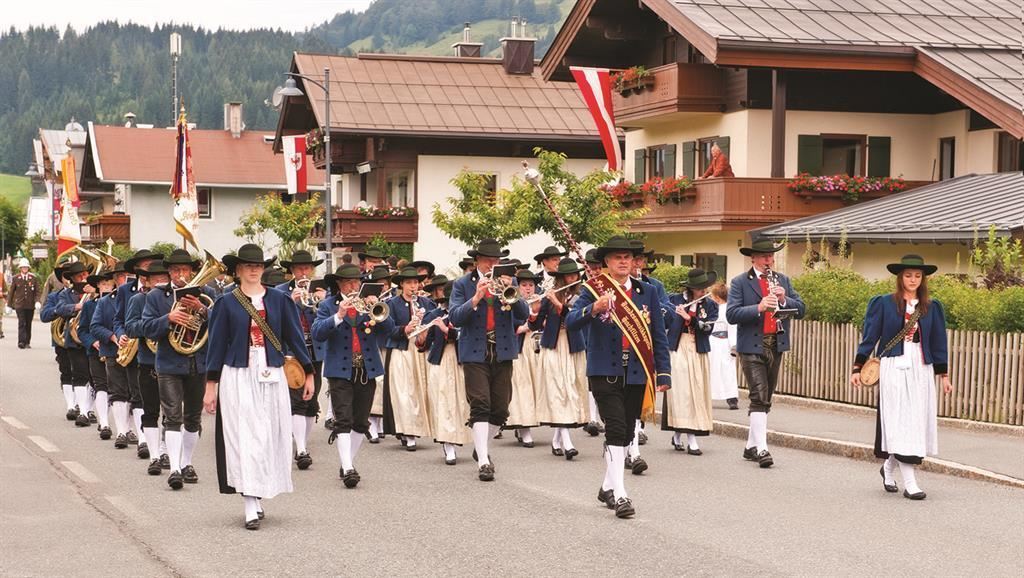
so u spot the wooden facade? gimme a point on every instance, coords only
(676, 87)
(350, 228)
(98, 228)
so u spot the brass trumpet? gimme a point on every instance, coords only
(507, 294)
(308, 298)
(378, 312)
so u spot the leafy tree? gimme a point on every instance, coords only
(401, 250)
(292, 222)
(12, 224)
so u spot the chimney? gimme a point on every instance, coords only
(517, 49)
(129, 120)
(233, 118)
(467, 48)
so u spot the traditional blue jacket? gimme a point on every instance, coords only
(337, 339)
(659, 288)
(156, 326)
(604, 340)
(84, 328)
(472, 323)
(707, 311)
(66, 308)
(310, 315)
(102, 325)
(744, 295)
(550, 326)
(400, 316)
(124, 293)
(133, 327)
(436, 339)
(48, 312)
(228, 343)
(884, 320)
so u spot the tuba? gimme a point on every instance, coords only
(126, 354)
(95, 263)
(190, 337)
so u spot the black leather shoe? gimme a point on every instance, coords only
(350, 478)
(764, 459)
(449, 462)
(490, 459)
(557, 451)
(329, 424)
(375, 440)
(165, 462)
(132, 438)
(733, 403)
(526, 444)
(303, 461)
(606, 497)
(914, 496)
(252, 524)
(189, 475)
(642, 438)
(92, 417)
(624, 508)
(120, 442)
(750, 454)
(679, 447)
(410, 447)
(891, 488)
(591, 428)
(486, 473)
(72, 414)
(498, 435)
(628, 463)
(82, 420)
(175, 481)
(143, 451)
(694, 451)
(571, 453)
(105, 433)
(639, 466)
(154, 468)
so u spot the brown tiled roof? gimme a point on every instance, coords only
(146, 155)
(997, 72)
(443, 96)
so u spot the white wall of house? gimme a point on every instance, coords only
(870, 259)
(692, 243)
(981, 151)
(433, 186)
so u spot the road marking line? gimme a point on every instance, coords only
(14, 422)
(129, 510)
(44, 444)
(82, 472)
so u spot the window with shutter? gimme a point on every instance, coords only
(686, 260)
(689, 158)
(670, 161)
(808, 157)
(639, 166)
(879, 156)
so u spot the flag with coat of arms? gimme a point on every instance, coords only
(183, 187)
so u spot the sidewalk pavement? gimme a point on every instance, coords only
(990, 453)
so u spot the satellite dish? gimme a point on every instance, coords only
(277, 99)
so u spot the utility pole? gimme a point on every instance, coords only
(175, 53)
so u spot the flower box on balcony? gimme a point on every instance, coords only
(632, 80)
(849, 189)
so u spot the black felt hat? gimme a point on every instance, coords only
(95, 280)
(567, 266)
(181, 257)
(551, 251)
(73, 269)
(527, 275)
(247, 253)
(761, 246)
(154, 268)
(407, 273)
(488, 248)
(615, 245)
(435, 282)
(380, 273)
(347, 271)
(371, 253)
(591, 257)
(465, 263)
(301, 257)
(911, 262)
(272, 277)
(698, 278)
(424, 265)
(140, 255)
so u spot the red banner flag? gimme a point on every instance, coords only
(69, 228)
(295, 163)
(183, 187)
(596, 86)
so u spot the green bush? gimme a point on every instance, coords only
(670, 275)
(836, 295)
(1009, 315)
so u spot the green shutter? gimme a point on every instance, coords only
(639, 165)
(879, 154)
(686, 260)
(670, 161)
(723, 143)
(718, 265)
(689, 158)
(808, 157)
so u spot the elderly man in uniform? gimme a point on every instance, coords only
(23, 297)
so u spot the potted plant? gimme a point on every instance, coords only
(625, 192)
(373, 212)
(849, 189)
(669, 189)
(632, 80)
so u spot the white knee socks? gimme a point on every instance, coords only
(909, 479)
(189, 440)
(121, 417)
(759, 427)
(310, 422)
(90, 399)
(481, 433)
(152, 436)
(449, 451)
(163, 440)
(616, 465)
(102, 408)
(889, 470)
(299, 432)
(526, 434)
(634, 446)
(173, 439)
(608, 482)
(82, 399)
(691, 440)
(251, 507)
(69, 395)
(374, 427)
(344, 443)
(137, 420)
(556, 439)
(494, 429)
(566, 440)
(357, 442)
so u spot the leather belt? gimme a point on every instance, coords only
(769, 341)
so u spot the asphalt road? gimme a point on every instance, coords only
(72, 504)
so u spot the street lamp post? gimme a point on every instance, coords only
(290, 89)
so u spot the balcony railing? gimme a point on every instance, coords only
(349, 227)
(96, 229)
(676, 87)
(737, 204)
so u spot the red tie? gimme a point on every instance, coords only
(770, 327)
(490, 314)
(356, 346)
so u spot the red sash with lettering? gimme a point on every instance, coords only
(635, 327)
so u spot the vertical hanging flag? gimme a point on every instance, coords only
(69, 229)
(595, 84)
(295, 163)
(183, 187)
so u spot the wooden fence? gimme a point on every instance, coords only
(986, 370)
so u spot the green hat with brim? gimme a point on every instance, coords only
(699, 279)
(342, 273)
(436, 282)
(380, 273)
(371, 253)
(140, 255)
(272, 277)
(617, 244)
(247, 253)
(567, 266)
(911, 262)
(154, 268)
(761, 246)
(551, 251)
(407, 273)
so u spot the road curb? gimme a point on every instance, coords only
(864, 452)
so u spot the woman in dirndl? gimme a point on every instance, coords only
(406, 411)
(380, 274)
(687, 406)
(246, 386)
(522, 410)
(563, 362)
(906, 425)
(446, 386)
(724, 383)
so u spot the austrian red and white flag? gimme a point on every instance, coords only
(596, 86)
(295, 163)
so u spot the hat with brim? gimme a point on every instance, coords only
(248, 253)
(488, 248)
(272, 277)
(343, 273)
(380, 273)
(761, 246)
(95, 280)
(527, 275)
(118, 268)
(424, 265)
(140, 255)
(616, 244)
(699, 279)
(911, 262)
(407, 273)
(301, 257)
(154, 268)
(551, 251)
(23, 262)
(591, 257)
(73, 269)
(447, 293)
(567, 266)
(371, 253)
(649, 267)
(436, 282)
(465, 263)
(181, 257)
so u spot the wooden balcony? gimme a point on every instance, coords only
(96, 229)
(738, 204)
(351, 228)
(677, 87)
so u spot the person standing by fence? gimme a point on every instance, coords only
(907, 331)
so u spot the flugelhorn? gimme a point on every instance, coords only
(507, 294)
(308, 298)
(378, 312)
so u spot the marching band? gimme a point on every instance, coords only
(449, 360)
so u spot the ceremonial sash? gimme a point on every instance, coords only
(635, 326)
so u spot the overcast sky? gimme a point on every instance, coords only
(292, 15)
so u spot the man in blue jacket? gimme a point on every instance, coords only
(352, 364)
(70, 305)
(617, 373)
(487, 345)
(754, 297)
(181, 378)
(130, 374)
(104, 284)
(48, 314)
(153, 275)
